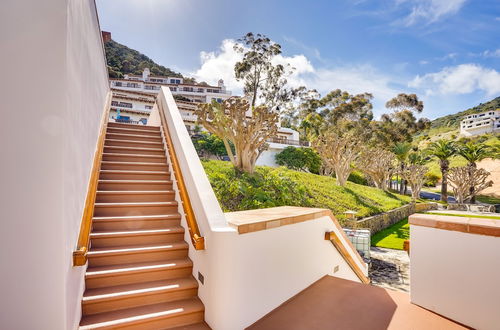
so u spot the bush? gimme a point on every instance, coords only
(299, 159)
(431, 179)
(209, 145)
(358, 177)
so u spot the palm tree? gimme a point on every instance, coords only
(401, 150)
(474, 153)
(443, 150)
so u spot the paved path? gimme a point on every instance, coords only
(390, 269)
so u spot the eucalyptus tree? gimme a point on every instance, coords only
(443, 150)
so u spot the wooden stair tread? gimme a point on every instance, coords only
(112, 162)
(100, 251)
(141, 314)
(121, 291)
(137, 217)
(134, 172)
(110, 270)
(134, 148)
(146, 204)
(133, 135)
(135, 181)
(131, 192)
(126, 233)
(133, 155)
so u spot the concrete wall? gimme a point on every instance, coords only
(455, 274)
(381, 221)
(248, 275)
(48, 142)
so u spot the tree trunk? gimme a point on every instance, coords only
(444, 182)
(473, 198)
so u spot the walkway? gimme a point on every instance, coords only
(334, 303)
(390, 269)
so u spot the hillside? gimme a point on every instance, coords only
(452, 121)
(124, 60)
(280, 186)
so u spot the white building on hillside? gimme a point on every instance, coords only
(481, 123)
(147, 83)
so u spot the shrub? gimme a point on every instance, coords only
(431, 179)
(358, 178)
(299, 159)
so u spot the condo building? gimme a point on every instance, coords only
(481, 123)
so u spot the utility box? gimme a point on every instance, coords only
(361, 240)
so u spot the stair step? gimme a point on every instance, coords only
(134, 137)
(157, 316)
(134, 158)
(135, 222)
(133, 175)
(131, 166)
(114, 275)
(108, 299)
(136, 237)
(136, 253)
(133, 150)
(135, 185)
(118, 196)
(131, 143)
(138, 208)
(133, 131)
(132, 126)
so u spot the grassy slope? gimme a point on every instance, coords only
(281, 186)
(392, 237)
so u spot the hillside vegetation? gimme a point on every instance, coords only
(280, 186)
(123, 60)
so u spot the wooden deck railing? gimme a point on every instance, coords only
(194, 231)
(80, 254)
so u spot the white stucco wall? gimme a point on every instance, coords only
(248, 275)
(49, 136)
(456, 275)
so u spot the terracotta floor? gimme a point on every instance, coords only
(334, 303)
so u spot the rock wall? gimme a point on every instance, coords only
(379, 222)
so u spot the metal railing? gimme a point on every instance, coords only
(288, 142)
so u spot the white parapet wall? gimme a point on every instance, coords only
(246, 275)
(455, 267)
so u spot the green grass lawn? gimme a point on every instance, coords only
(488, 199)
(270, 187)
(392, 237)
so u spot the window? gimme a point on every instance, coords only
(149, 87)
(121, 104)
(173, 89)
(200, 90)
(149, 107)
(187, 89)
(133, 85)
(118, 83)
(175, 81)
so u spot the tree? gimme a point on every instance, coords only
(378, 164)
(474, 153)
(248, 134)
(263, 80)
(299, 159)
(338, 152)
(443, 150)
(414, 174)
(401, 150)
(467, 182)
(401, 125)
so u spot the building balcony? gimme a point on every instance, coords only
(289, 142)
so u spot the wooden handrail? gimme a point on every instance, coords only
(80, 254)
(194, 232)
(333, 237)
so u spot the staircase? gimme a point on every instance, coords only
(139, 275)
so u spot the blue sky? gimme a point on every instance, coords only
(446, 51)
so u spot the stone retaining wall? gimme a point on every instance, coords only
(472, 207)
(379, 222)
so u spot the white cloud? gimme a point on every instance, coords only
(429, 11)
(460, 79)
(354, 79)
(491, 53)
